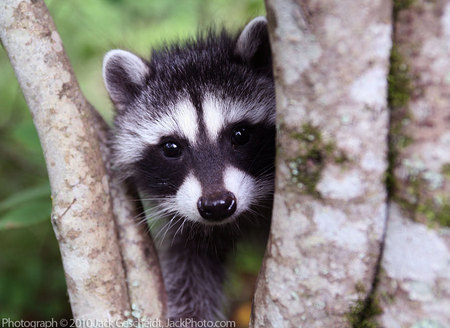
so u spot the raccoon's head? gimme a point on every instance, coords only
(195, 125)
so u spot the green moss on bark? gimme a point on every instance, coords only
(437, 214)
(445, 170)
(400, 5)
(419, 206)
(363, 312)
(307, 165)
(310, 158)
(399, 80)
(399, 93)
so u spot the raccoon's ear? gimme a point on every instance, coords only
(124, 75)
(253, 43)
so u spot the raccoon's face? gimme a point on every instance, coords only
(194, 126)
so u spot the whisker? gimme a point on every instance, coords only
(180, 227)
(172, 222)
(163, 228)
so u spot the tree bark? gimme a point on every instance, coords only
(415, 281)
(111, 268)
(140, 260)
(330, 63)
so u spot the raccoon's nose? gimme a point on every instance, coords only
(218, 206)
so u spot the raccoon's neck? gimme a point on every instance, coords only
(193, 264)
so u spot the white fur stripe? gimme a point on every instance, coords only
(241, 185)
(138, 132)
(181, 121)
(220, 113)
(213, 116)
(187, 196)
(185, 116)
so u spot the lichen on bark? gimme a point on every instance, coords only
(308, 153)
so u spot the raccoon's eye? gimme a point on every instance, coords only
(171, 149)
(240, 136)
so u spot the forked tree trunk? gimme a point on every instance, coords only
(111, 267)
(331, 60)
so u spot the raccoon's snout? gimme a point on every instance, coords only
(217, 206)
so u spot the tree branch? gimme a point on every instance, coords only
(104, 281)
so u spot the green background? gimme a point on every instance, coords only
(32, 282)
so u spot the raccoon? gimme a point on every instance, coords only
(194, 131)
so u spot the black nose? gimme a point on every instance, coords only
(217, 206)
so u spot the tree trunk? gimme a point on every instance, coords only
(111, 267)
(331, 63)
(415, 281)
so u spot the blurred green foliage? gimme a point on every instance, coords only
(31, 278)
